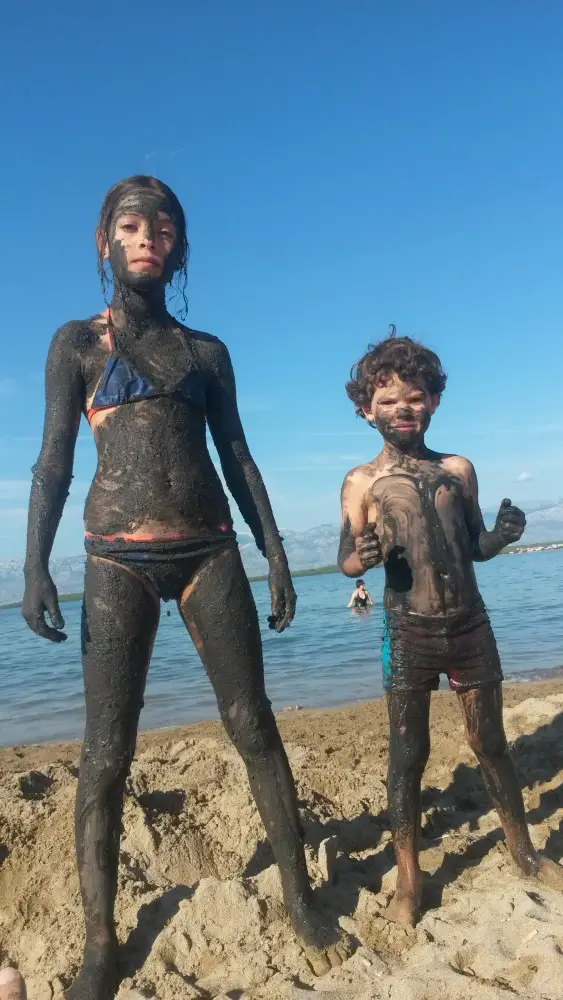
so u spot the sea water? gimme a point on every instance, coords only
(329, 656)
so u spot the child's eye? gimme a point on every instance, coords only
(129, 227)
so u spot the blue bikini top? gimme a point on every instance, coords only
(119, 384)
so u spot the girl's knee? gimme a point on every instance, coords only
(106, 770)
(251, 727)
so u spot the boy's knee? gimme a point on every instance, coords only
(409, 754)
(486, 741)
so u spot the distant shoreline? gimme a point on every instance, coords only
(66, 598)
(511, 550)
(296, 724)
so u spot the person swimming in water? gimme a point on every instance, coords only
(361, 598)
(158, 527)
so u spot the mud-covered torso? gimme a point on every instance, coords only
(419, 511)
(154, 475)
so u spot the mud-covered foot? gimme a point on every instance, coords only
(12, 985)
(543, 869)
(98, 978)
(325, 945)
(405, 907)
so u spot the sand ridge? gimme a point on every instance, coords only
(199, 909)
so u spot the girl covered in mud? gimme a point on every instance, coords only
(158, 527)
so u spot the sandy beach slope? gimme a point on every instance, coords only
(199, 907)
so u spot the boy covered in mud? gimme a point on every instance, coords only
(417, 512)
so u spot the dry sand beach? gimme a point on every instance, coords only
(199, 907)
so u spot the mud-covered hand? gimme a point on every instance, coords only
(510, 522)
(282, 593)
(368, 547)
(41, 597)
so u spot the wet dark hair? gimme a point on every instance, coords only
(411, 361)
(111, 202)
(359, 583)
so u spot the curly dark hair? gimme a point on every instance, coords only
(106, 219)
(410, 360)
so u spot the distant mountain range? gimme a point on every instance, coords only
(305, 550)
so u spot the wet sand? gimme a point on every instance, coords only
(199, 907)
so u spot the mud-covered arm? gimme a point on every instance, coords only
(359, 548)
(239, 468)
(52, 473)
(509, 524)
(247, 486)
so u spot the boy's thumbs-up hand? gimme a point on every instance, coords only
(510, 522)
(368, 547)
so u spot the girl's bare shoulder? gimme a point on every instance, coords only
(80, 335)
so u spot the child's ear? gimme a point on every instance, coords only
(368, 415)
(434, 404)
(102, 245)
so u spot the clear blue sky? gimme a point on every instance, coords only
(343, 166)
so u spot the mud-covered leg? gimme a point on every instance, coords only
(119, 622)
(409, 745)
(484, 729)
(219, 611)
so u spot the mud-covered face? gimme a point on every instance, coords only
(143, 242)
(401, 411)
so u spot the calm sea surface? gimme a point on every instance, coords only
(329, 656)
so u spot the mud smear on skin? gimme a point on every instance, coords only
(426, 544)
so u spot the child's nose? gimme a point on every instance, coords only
(147, 238)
